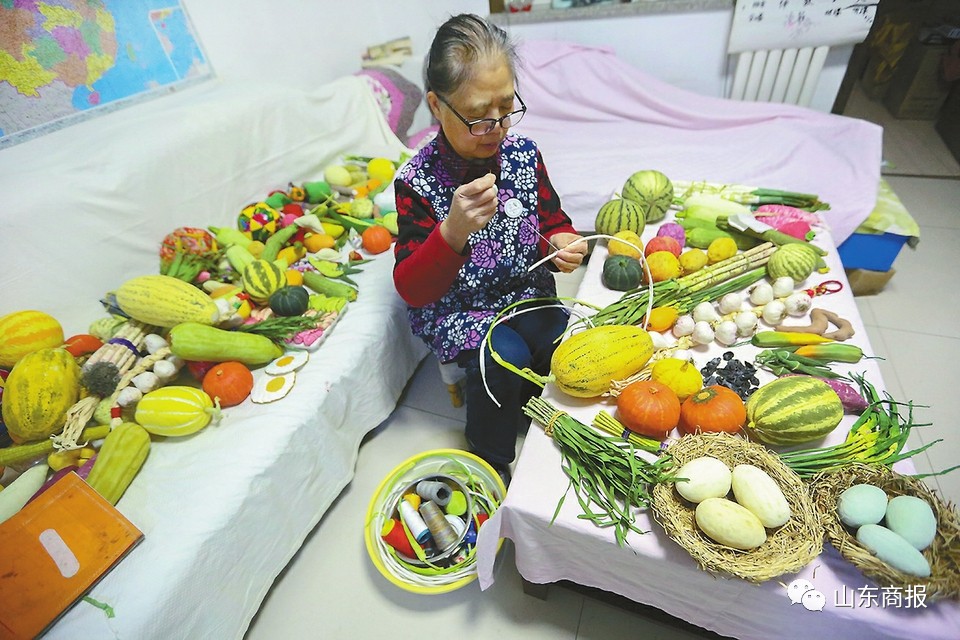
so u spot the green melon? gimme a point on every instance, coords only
(621, 273)
(793, 410)
(620, 215)
(652, 190)
(795, 260)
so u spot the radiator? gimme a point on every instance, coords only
(778, 75)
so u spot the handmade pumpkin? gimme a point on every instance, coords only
(649, 408)
(681, 376)
(230, 382)
(714, 408)
(376, 239)
(289, 301)
(621, 273)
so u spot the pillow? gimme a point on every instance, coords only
(398, 97)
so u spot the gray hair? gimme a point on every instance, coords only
(460, 42)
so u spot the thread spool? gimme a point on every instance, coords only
(458, 524)
(457, 505)
(414, 522)
(394, 535)
(437, 492)
(413, 499)
(444, 535)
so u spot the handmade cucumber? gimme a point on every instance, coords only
(194, 341)
(119, 460)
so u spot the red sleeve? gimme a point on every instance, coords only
(426, 266)
(552, 217)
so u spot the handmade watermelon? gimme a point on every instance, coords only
(795, 260)
(620, 215)
(793, 410)
(652, 190)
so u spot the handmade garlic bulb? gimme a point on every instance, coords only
(774, 312)
(761, 294)
(746, 323)
(782, 287)
(798, 304)
(730, 303)
(726, 332)
(702, 333)
(704, 312)
(683, 326)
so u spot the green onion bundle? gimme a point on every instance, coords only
(706, 285)
(877, 437)
(604, 471)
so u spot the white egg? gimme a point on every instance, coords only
(287, 363)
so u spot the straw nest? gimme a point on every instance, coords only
(787, 549)
(943, 554)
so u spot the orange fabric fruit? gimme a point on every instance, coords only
(649, 408)
(713, 408)
(230, 382)
(376, 239)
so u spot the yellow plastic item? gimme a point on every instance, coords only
(437, 461)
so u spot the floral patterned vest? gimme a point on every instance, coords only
(496, 274)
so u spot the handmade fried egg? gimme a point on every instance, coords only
(287, 363)
(270, 388)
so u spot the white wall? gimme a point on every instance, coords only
(309, 43)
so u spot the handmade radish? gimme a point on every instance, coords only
(760, 494)
(702, 478)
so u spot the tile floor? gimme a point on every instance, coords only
(332, 590)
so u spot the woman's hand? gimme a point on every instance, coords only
(472, 207)
(572, 252)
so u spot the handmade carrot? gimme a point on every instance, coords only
(831, 352)
(787, 339)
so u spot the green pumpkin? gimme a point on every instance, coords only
(289, 301)
(621, 273)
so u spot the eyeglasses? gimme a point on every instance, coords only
(483, 126)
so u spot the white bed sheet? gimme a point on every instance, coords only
(598, 119)
(222, 511)
(654, 570)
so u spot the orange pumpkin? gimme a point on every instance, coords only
(230, 382)
(649, 408)
(376, 239)
(714, 408)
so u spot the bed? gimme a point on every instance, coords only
(598, 120)
(222, 511)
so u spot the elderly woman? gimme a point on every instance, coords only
(476, 211)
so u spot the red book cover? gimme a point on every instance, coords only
(53, 551)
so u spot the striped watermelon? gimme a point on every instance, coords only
(261, 278)
(793, 410)
(652, 190)
(795, 260)
(620, 215)
(23, 332)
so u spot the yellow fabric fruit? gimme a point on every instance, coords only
(632, 250)
(721, 249)
(381, 169)
(255, 248)
(663, 266)
(662, 318)
(692, 260)
(680, 375)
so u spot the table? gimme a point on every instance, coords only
(653, 570)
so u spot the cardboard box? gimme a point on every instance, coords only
(917, 89)
(864, 282)
(948, 124)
